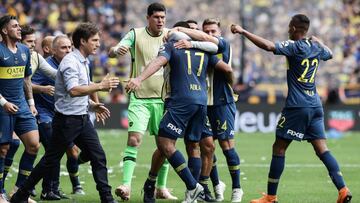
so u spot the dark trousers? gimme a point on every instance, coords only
(80, 130)
(50, 182)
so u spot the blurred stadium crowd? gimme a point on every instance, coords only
(261, 76)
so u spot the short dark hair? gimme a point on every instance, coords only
(181, 24)
(210, 21)
(84, 31)
(301, 21)
(192, 21)
(5, 20)
(155, 7)
(26, 30)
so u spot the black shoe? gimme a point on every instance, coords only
(149, 193)
(61, 194)
(33, 192)
(19, 197)
(206, 197)
(49, 196)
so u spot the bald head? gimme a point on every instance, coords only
(61, 46)
(46, 46)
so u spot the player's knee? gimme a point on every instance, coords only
(134, 141)
(33, 148)
(167, 150)
(193, 149)
(207, 148)
(3, 150)
(72, 152)
(278, 150)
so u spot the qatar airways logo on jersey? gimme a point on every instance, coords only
(174, 128)
(295, 134)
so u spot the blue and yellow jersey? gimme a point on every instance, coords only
(13, 68)
(44, 103)
(303, 57)
(219, 91)
(187, 74)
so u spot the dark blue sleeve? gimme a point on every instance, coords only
(286, 48)
(213, 60)
(165, 50)
(222, 44)
(28, 70)
(325, 54)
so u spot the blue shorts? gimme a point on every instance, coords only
(207, 130)
(183, 120)
(20, 123)
(222, 119)
(301, 124)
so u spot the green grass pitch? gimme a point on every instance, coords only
(305, 179)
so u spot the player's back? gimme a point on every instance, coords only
(303, 57)
(187, 75)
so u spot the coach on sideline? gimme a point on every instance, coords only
(71, 122)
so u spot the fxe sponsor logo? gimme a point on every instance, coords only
(295, 134)
(174, 128)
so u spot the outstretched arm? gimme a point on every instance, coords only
(198, 35)
(184, 43)
(257, 40)
(153, 67)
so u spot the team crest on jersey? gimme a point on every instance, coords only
(286, 43)
(23, 56)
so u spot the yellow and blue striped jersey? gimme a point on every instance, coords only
(13, 68)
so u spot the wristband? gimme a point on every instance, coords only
(3, 101)
(31, 102)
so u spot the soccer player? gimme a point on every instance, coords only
(17, 115)
(302, 117)
(71, 120)
(185, 105)
(45, 105)
(221, 114)
(145, 106)
(149, 185)
(37, 63)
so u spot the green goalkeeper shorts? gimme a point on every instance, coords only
(145, 114)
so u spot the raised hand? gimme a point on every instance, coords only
(108, 83)
(122, 50)
(236, 29)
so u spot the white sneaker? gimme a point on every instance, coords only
(237, 195)
(192, 195)
(219, 190)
